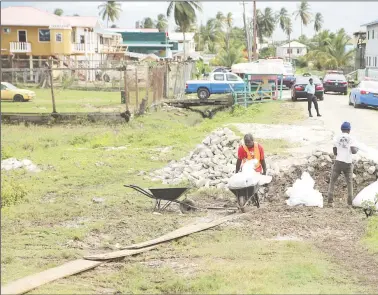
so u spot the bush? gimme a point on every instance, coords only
(11, 192)
(5, 153)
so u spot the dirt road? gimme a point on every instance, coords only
(335, 110)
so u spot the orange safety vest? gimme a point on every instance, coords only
(256, 155)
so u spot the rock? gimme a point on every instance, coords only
(310, 169)
(318, 154)
(328, 158)
(312, 159)
(98, 200)
(371, 170)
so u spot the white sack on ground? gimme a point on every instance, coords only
(303, 193)
(367, 194)
(368, 152)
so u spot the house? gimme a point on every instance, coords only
(39, 35)
(292, 50)
(371, 52)
(189, 44)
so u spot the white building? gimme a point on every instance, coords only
(294, 50)
(371, 53)
(190, 45)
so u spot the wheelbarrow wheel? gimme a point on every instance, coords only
(187, 206)
(241, 201)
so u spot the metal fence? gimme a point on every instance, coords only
(149, 81)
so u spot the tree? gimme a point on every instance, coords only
(184, 13)
(207, 36)
(282, 16)
(148, 23)
(266, 22)
(220, 21)
(161, 23)
(113, 26)
(267, 52)
(304, 14)
(110, 11)
(318, 22)
(233, 56)
(288, 32)
(332, 53)
(58, 11)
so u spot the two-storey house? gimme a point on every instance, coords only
(292, 50)
(371, 51)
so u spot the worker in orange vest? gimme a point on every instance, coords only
(249, 151)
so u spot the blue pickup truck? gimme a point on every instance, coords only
(218, 83)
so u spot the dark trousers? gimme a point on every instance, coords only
(311, 98)
(347, 170)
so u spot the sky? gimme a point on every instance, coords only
(337, 15)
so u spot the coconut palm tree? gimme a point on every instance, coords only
(318, 22)
(184, 13)
(110, 11)
(148, 23)
(220, 21)
(304, 14)
(266, 22)
(207, 34)
(58, 11)
(232, 56)
(282, 16)
(288, 32)
(161, 23)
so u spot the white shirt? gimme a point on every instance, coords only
(343, 143)
(310, 88)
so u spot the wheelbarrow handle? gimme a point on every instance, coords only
(140, 190)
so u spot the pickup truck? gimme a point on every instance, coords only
(218, 83)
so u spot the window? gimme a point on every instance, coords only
(298, 51)
(231, 77)
(289, 51)
(22, 37)
(101, 40)
(44, 35)
(3, 87)
(368, 35)
(370, 64)
(82, 39)
(219, 77)
(58, 37)
(372, 34)
(6, 30)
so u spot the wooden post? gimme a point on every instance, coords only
(12, 66)
(147, 82)
(31, 67)
(125, 88)
(52, 85)
(136, 87)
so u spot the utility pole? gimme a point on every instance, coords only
(246, 31)
(254, 32)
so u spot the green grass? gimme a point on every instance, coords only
(42, 228)
(73, 101)
(371, 238)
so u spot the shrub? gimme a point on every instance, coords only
(11, 192)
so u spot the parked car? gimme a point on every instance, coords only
(335, 83)
(334, 72)
(288, 78)
(365, 94)
(12, 93)
(298, 88)
(217, 84)
(221, 70)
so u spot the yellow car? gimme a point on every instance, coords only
(12, 93)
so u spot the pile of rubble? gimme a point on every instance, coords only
(319, 165)
(13, 163)
(209, 165)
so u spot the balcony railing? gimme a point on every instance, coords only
(83, 48)
(20, 47)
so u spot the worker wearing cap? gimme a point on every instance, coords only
(343, 148)
(311, 98)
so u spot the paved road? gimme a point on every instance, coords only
(335, 110)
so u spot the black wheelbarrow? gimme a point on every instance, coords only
(167, 194)
(245, 195)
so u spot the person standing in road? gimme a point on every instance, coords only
(311, 98)
(343, 147)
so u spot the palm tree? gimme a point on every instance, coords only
(110, 11)
(282, 16)
(232, 56)
(229, 22)
(288, 32)
(318, 22)
(207, 35)
(184, 13)
(148, 23)
(220, 21)
(266, 22)
(161, 23)
(58, 11)
(304, 14)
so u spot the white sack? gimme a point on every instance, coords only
(242, 180)
(367, 194)
(303, 193)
